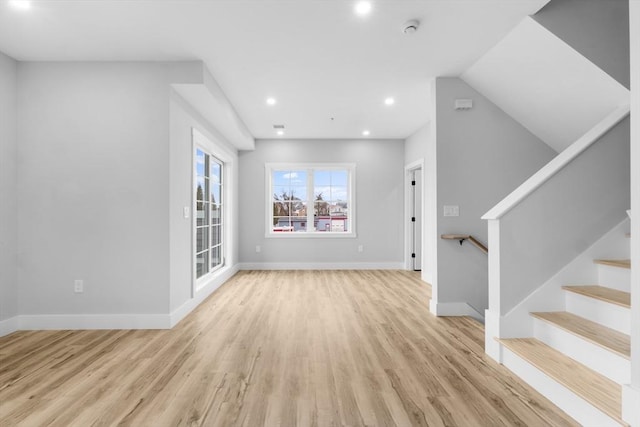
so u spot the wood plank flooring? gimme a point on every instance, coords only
(280, 348)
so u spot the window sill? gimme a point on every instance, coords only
(312, 235)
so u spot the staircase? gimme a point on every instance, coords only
(579, 358)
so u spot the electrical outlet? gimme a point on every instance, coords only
(78, 286)
(360, 248)
(258, 248)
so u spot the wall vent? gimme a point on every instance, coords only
(463, 104)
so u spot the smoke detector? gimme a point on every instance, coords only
(411, 26)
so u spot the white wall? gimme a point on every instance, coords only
(379, 201)
(183, 120)
(8, 189)
(93, 187)
(598, 29)
(482, 155)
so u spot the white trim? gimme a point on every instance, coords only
(408, 170)
(456, 309)
(321, 266)
(220, 152)
(492, 331)
(557, 163)
(216, 280)
(311, 235)
(351, 218)
(9, 326)
(93, 321)
(631, 405)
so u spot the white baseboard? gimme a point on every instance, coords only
(454, 309)
(114, 321)
(9, 326)
(322, 265)
(631, 405)
(31, 322)
(216, 281)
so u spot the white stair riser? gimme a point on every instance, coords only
(611, 365)
(610, 315)
(578, 408)
(614, 277)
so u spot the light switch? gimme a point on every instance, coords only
(185, 212)
(451, 210)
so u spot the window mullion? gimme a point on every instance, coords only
(310, 203)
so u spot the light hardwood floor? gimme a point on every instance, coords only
(288, 348)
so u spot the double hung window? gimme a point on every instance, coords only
(310, 200)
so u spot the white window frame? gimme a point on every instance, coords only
(310, 167)
(200, 141)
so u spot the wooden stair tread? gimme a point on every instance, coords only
(602, 293)
(608, 338)
(621, 263)
(596, 389)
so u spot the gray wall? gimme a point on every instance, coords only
(415, 146)
(598, 29)
(93, 182)
(379, 201)
(8, 188)
(482, 155)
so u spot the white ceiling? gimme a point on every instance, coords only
(566, 94)
(316, 57)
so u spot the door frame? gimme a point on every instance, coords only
(408, 229)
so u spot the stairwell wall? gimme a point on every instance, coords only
(599, 30)
(564, 216)
(482, 155)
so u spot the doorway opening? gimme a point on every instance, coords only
(414, 216)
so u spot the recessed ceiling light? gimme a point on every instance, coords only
(389, 101)
(366, 133)
(280, 132)
(271, 101)
(20, 4)
(363, 8)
